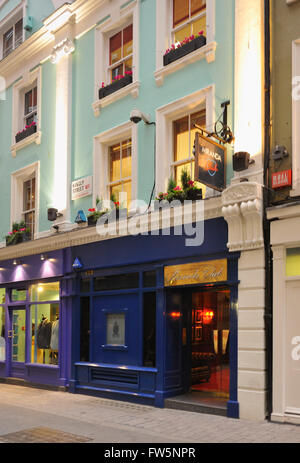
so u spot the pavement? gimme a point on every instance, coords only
(39, 415)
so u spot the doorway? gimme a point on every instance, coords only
(17, 342)
(203, 337)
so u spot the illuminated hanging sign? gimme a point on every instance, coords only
(82, 188)
(196, 273)
(210, 163)
(282, 179)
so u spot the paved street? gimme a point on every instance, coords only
(39, 414)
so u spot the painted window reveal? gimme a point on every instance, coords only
(2, 332)
(120, 173)
(12, 38)
(44, 333)
(189, 18)
(29, 205)
(293, 262)
(183, 142)
(115, 329)
(120, 53)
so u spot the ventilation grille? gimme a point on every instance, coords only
(114, 376)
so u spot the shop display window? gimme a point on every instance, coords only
(44, 333)
(2, 296)
(18, 295)
(293, 262)
(2, 333)
(44, 292)
(115, 329)
(18, 335)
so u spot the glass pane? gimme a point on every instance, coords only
(117, 71)
(44, 333)
(180, 11)
(29, 219)
(18, 339)
(127, 41)
(2, 295)
(115, 164)
(149, 328)
(149, 279)
(183, 33)
(197, 6)
(198, 118)
(293, 262)
(18, 295)
(19, 33)
(32, 118)
(180, 169)
(85, 285)
(115, 192)
(210, 343)
(181, 139)
(115, 48)
(126, 159)
(116, 282)
(27, 196)
(28, 102)
(2, 334)
(125, 202)
(44, 292)
(128, 65)
(8, 42)
(115, 329)
(199, 25)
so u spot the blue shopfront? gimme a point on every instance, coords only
(154, 318)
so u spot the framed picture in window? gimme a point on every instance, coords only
(115, 329)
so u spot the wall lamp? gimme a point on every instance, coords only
(241, 161)
(44, 257)
(16, 262)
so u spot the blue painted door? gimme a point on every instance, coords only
(116, 330)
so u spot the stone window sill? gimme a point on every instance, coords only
(131, 89)
(34, 138)
(207, 52)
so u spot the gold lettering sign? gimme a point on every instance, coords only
(200, 272)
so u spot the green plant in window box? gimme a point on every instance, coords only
(96, 213)
(191, 191)
(19, 234)
(118, 210)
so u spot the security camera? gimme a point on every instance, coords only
(53, 214)
(137, 116)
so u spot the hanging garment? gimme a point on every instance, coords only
(43, 335)
(54, 335)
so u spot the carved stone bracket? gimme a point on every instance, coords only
(63, 48)
(243, 211)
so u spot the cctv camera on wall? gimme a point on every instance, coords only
(137, 116)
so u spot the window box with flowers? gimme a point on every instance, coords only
(26, 132)
(119, 82)
(187, 192)
(19, 234)
(188, 45)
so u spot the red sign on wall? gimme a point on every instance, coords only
(282, 179)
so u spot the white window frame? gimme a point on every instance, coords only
(188, 21)
(296, 117)
(117, 18)
(122, 60)
(10, 20)
(102, 143)
(165, 116)
(164, 37)
(33, 79)
(17, 193)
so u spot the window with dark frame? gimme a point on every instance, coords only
(13, 38)
(29, 205)
(189, 17)
(121, 53)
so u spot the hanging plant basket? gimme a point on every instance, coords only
(115, 86)
(185, 49)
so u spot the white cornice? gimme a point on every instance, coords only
(86, 235)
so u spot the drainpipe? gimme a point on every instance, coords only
(266, 223)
